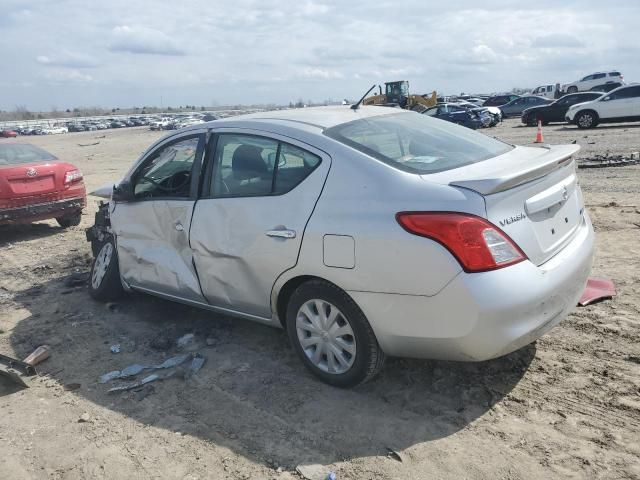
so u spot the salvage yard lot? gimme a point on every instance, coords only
(565, 407)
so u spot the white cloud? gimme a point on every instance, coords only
(68, 59)
(143, 40)
(321, 74)
(557, 40)
(126, 53)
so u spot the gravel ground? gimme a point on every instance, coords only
(565, 407)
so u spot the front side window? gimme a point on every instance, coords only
(167, 172)
(417, 143)
(249, 165)
(588, 77)
(628, 92)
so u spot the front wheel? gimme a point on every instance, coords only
(586, 120)
(332, 336)
(104, 283)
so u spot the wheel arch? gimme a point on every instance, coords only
(284, 292)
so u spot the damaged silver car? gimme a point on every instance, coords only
(363, 232)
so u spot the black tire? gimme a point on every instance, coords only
(573, 89)
(70, 221)
(109, 287)
(369, 357)
(531, 121)
(586, 119)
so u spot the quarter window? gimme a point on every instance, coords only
(167, 172)
(294, 165)
(248, 165)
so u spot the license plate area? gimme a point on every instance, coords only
(30, 186)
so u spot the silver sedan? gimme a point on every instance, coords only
(363, 233)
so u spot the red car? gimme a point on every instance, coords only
(8, 134)
(35, 185)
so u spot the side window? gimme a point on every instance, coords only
(588, 77)
(243, 165)
(248, 165)
(432, 111)
(294, 165)
(614, 74)
(599, 75)
(167, 172)
(622, 94)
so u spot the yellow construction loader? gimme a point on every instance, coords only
(397, 94)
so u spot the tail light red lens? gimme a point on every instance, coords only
(476, 243)
(72, 176)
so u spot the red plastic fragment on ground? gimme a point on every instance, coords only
(597, 289)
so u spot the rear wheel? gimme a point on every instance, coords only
(70, 221)
(331, 335)
(587, 119)
(104, 282)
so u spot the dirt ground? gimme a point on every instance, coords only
(565, 407)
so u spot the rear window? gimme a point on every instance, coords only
(417, 143)
(17, 153)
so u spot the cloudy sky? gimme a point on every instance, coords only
(69, 53)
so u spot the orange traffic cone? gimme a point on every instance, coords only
(539, 137)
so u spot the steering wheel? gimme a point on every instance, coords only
(167, 185)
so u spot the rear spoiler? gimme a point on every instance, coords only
(505, 175)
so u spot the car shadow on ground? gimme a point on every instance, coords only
(253, 394)
(603, 126)
(24, 232)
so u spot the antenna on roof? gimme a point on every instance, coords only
(356, 105)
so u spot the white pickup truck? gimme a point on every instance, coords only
(548, 91)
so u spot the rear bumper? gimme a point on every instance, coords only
(480, 316)
(41, 211)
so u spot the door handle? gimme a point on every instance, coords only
(281, 233)
(179, 227)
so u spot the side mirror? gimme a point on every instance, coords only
(122, 192)
(606, 99)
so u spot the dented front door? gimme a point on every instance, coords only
(152, 230)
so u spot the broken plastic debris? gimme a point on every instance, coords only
(313, 472)
(196, 365)
(148, 379)
(186, 340)
(109, 376)
(132, 370)
(39, 355)
(597, 289)
(175, 361)
(115, 348)
(331, 476)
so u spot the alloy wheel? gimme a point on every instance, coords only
(101, 265)
(585, 120)
(326, 337)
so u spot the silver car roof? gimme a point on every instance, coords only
(318, 117)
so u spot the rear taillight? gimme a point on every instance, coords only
(475, 242)
(72, 176)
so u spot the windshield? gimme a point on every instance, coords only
(17, 153)
(417, 143)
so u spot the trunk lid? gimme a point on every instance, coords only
(32, 183)
(531, 193)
